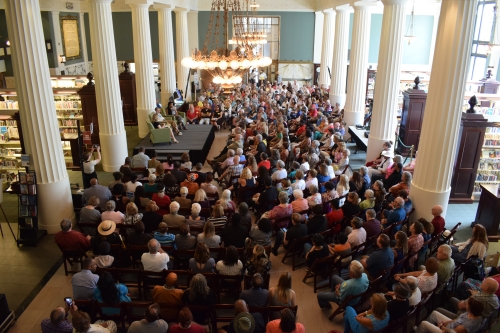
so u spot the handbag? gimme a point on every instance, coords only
(474, 269)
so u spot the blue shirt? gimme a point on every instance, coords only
(408, 206)
(122, 291)
(353, 287)
(84, 284)
(322, 179)
(395, 216)
(379, 260)
(165, 240)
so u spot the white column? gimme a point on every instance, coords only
(339, 61)
(356, 81)
(84, 44)
(327, 49)
(318, 36)
(57, 45)
(181, 34)
(38, 114)
(112, 133)
(192, 17)
(443, 110)
(143, 58)
(385, 99)
(167, 60)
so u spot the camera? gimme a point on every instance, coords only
(95, 146)
(69, 301)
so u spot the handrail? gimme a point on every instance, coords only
(410, 153)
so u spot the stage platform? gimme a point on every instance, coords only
(197, 141)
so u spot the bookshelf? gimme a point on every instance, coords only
(28, 232)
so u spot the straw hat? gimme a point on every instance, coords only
(244, 323)
(106, 227)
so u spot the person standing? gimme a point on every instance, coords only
(89, 165)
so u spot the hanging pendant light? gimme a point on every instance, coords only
(494, 41)
(410, 32)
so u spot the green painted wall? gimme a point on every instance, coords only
(415, 54)
(87, 35)
(296, 34)
(74, 61)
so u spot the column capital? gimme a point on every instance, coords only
(365, 4)
(329, 11)
(394, 2)
(161, 6)
(181, 10)
(100, 1)
(343, 8)
(138, 3)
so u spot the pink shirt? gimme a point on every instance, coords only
(299, 205)
(274, 327)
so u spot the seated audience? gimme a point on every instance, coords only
(398, 302)
(296, 231)
(317, 222)
(244, 320)
(286, 324)
(156, 259)
(190, 183)
(282, 294)
(369, 201)
(318, 250)
(183, 201)
(163, 236)
(355, 285)
(230, 265)
(184, 240)
(299, 204)
(427, 279)
(198, 293)
(110, 213)
(110, 292)
(168, 297)
(218, 218)
(151, 218)
(259, 262)
(89, 213)
(69, 240)
(174, 220)
(132, 214)
(151, 323)
(314, 198)
(58, 321)
(234, 234)
(446, 264)
(437, 220)
(372, 225)
(201, 261)
(372, 320)
(255, 296)
(482, 291)
(200, 197)
(85, 282)
(357, 235)
(477, 245)
(261, 234)
(351, 207)
(380, 260)
(284, 209)
(195, 219)
(415, 241)
(105, 233)
(138, 237)
(81, 324)
(208, 236)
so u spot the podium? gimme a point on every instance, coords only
(488, 213)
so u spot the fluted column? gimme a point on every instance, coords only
(327, 48)
(167, 59)
(339, 61)
(181, 34)
(84, 43)
(385, 99)
(443, 109)
(356, 81)
(38, 114)
(143, 58)
(112, 133)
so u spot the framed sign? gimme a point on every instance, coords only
(70, 37)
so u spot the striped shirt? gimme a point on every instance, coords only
(218, 222)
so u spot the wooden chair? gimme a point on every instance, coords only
(136, 251)
(321, 268)
(119, 318)
(134, 311)
(131, 278)
(222, 314)
(229, 284)
(447, 239)
(213, 197)
(294, 249)
(72, 256)
(151, 279)
(88, 228)
(182, 258)
(341, 307)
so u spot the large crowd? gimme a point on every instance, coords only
(283, 176)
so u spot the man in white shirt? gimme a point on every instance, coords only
(140, 160)
(156, 259)
(358, 233)
(280, 173)
(305, 165)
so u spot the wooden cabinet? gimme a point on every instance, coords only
(469, 150)
(129, 97)
(89, 110)
(412, 116)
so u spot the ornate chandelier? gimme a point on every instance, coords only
(494, 42)
(410, 33)
(226, 66)
(251, 32)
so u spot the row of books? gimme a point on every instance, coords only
(10, 163)
(8, 122)
(28, 200)
(9, 104)
(68, 122)
(27, 211)
(9, 152)
(71, 104)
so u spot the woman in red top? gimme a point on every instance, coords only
(264, 161)
(286, 324)
(162, 200)
(192, 115)
(335, 216)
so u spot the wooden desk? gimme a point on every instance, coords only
(488, 213)
(358, 135)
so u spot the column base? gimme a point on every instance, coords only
(54, 204)
(142, 115)
(337, 99)
(114, 150)
(423, 201)
(353, 118)
(375, 146)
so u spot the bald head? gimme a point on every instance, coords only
(57, 315)
(489, 285)
(171, 280)
(236, 160)
(240, 306)
(437, 210)
(93, 181)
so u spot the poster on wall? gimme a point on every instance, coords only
(70, 37)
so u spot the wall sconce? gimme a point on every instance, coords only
(63, 59)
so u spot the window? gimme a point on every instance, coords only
(483, 35)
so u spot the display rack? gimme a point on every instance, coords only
(488, 171)
(10, 150)
(28, 232)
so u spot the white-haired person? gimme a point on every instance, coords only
(356, 284)
(183, 201)
(239, 152)
(279, 174)
(110, 213)
(173, 219)
(195, 219)
(299, 204)
(299, 183)
(226, 202)
(314, 198)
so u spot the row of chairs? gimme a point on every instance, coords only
(217, 314)
(145, 281)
